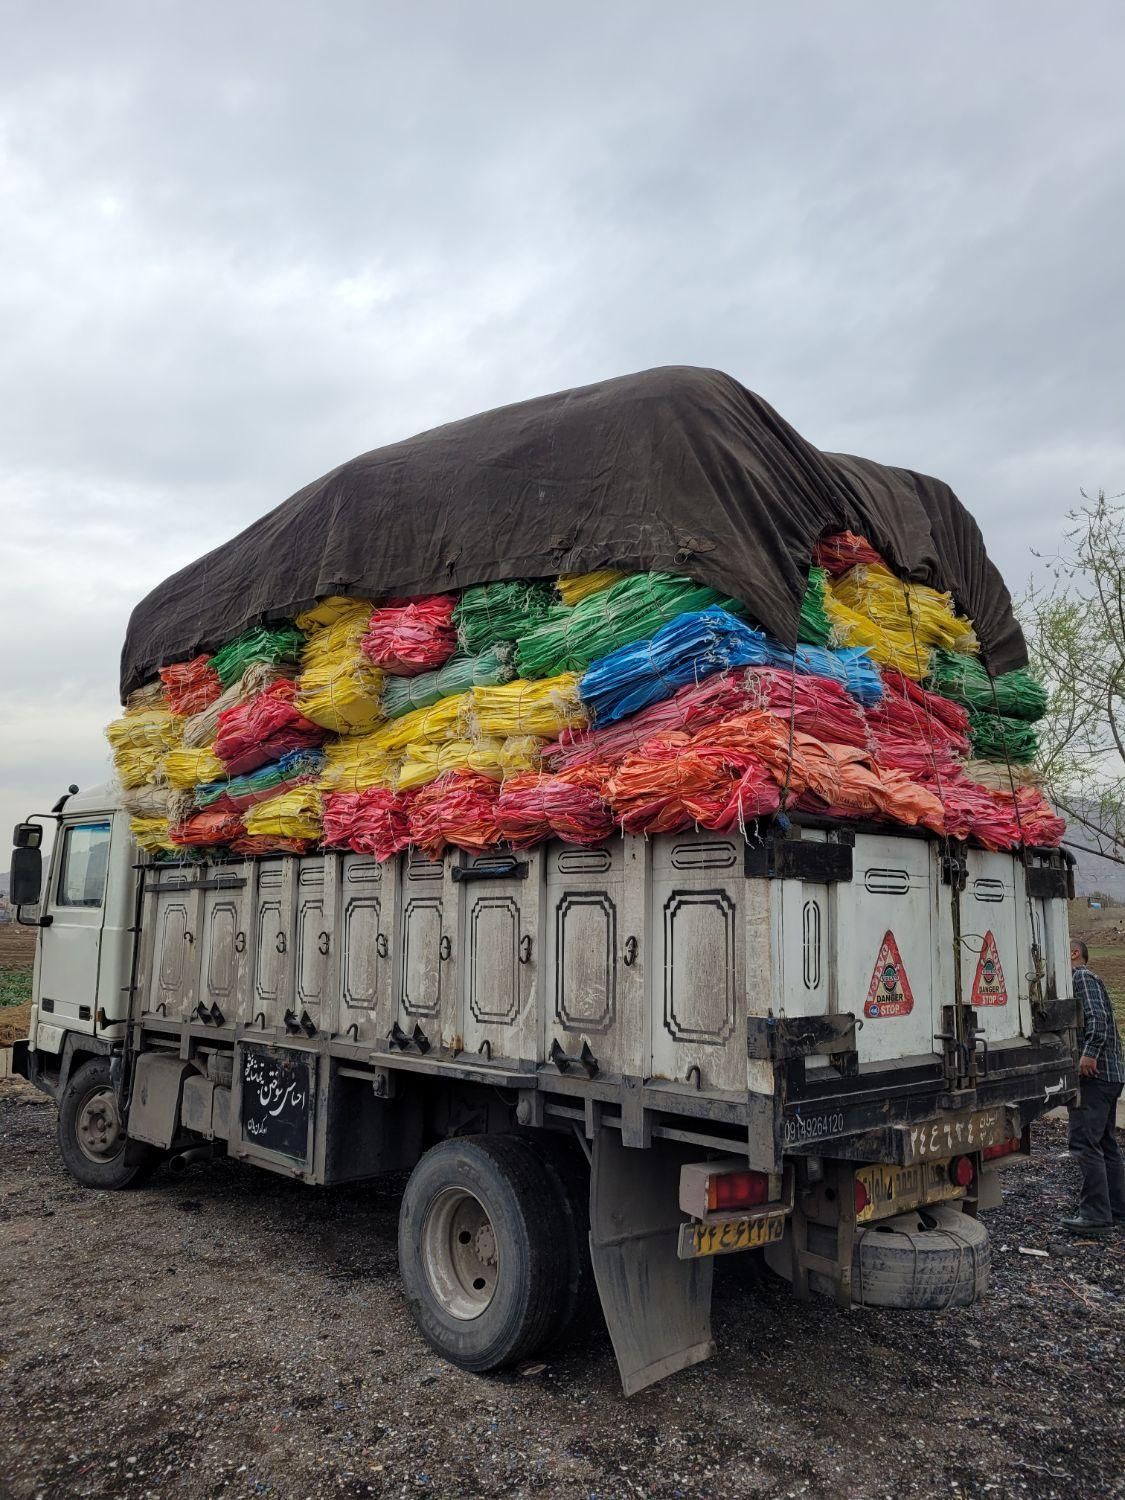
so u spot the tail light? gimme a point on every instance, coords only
(961, 1171)
(1006, 1148)
(727, 1190)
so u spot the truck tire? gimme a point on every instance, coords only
(564, 1160)
(931, 1258)
(482, 1248)
(92, 1141)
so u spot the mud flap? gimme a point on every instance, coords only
(657, 1307)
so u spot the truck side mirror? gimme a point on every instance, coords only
(25, 880)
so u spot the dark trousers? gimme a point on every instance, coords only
(1093, 1145)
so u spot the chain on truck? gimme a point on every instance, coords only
(818, 1040)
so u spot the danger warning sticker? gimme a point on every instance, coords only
(889, 992)
(989, 987)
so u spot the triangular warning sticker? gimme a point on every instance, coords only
(889, 992)
(989, 987)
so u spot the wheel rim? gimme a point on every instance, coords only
(97, 1126)
(460, 1254)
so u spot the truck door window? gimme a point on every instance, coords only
(82, 870)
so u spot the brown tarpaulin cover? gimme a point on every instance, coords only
(677, 469)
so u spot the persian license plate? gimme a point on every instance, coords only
(724, 1236)
(894, 1190)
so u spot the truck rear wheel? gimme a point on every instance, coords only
(92, 1140)
(932, 1258)
(482, 1244)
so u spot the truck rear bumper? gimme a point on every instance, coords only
(902, 1114)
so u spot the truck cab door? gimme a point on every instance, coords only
(70, 948)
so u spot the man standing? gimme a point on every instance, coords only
(1093, 1133)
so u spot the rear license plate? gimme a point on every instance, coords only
(894, 1190)
(727, 1235)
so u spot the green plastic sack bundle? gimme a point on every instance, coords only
(568, 640)
(490, 668)
(999, 737)
(1017, 694)
(277, 644)
(814, 627)
(492, 612)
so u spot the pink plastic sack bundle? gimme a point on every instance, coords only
(917, 731)
(264, 729)
(817, 705)
(375, 821)
(412, 636)
(689, 709)
(458, 808)
(534, 806)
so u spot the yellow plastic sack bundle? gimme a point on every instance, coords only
(890, 648)
(910, 609)
(202, 727)
(447, 719)
(339, 687)
(154, 801)
(543, 708)
(572, 588)
(293, 815)
(494, 758)
(188, 767)
(139, 740)
(353, 764)
(151, 834)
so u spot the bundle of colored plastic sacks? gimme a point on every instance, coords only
(583, 707)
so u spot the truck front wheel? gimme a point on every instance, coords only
(483, 1252)
(92, 1139)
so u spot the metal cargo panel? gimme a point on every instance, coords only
(224, 962)
(697, 980)
(172, 913)
(366, 925)
(273, 941)
(994, 961)
(499, 919)
(314, 940)
(883, 944)
(427, 949)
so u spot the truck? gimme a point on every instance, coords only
(816, 1040)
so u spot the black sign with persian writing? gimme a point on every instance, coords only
(277, 1100)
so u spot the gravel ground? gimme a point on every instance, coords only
(227, 1333)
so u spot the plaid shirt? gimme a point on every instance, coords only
(1099, 1029)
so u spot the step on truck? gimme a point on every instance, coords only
(823, 1043)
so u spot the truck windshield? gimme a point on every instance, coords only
(82, 871)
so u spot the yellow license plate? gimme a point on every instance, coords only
(894, 1190)
(725, 1236)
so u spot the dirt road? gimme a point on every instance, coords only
(227, 1333)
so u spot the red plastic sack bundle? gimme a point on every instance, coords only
(1040, 823)
(843, 550)
(973, 811)
(412, 636)
(754, 795)
(458, 808)
(534, 806)
(917, 731)
(264, 843)
(375, 821)
(265, 728)
(691, 708)
(817, 705)
(208, 828)
(190, 686)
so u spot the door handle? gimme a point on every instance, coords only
(279, 942)
(445, 948)
(382, 947)
(240, 942)
(629, 957)
(525, 949)
(322, 943)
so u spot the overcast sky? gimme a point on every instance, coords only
(240, 242)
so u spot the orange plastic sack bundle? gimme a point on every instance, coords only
(678, 781)
(189, 686)
(412, 636)
(208, 828)
(458, 808)
(264, 843)
(535, 806)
